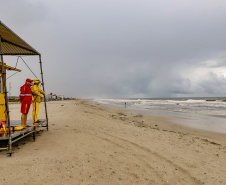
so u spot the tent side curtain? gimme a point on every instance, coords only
(12, 44)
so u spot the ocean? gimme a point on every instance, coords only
(200, 113)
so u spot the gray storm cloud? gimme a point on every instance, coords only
(129, 48)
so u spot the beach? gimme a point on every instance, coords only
(89, 143)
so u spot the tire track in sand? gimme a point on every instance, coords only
(162, 168)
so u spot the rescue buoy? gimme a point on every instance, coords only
(17, 128)
(12, 128)
(3, 126)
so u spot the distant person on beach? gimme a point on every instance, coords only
(36, 99)
(25, 100)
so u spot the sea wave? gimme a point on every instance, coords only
(199, 106)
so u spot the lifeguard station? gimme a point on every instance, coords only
(10, 130)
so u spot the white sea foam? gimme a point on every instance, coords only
(200, 106)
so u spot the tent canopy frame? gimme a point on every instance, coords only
(12, 44)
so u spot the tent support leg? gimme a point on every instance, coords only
(47, 124)
(34, 133)
(10, 147)
(6, 97)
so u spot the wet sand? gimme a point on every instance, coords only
(93, 144)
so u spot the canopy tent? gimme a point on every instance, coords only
(12, 44)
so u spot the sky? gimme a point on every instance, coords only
(121, 48)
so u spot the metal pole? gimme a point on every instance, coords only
(44, 91)
(6, 97)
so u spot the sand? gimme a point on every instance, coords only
(93, 144)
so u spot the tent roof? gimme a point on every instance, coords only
(12, 44)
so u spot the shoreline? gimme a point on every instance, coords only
(167, 123)
(187, 122)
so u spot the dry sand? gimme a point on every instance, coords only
(92, 144)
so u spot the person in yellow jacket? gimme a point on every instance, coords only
(36, 99)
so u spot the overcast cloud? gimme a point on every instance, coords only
(123, 48)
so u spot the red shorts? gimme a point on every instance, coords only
(25, 108)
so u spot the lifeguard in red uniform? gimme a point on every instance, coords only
(26, 100)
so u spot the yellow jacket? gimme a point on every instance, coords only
(36, 93)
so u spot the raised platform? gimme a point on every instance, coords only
(17, 135)
(15, 123)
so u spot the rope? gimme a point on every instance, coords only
(12, 75)
(17, 60)
(15, 67)
(28, 66)
(25, 64)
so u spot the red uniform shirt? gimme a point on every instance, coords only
(25, 94)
